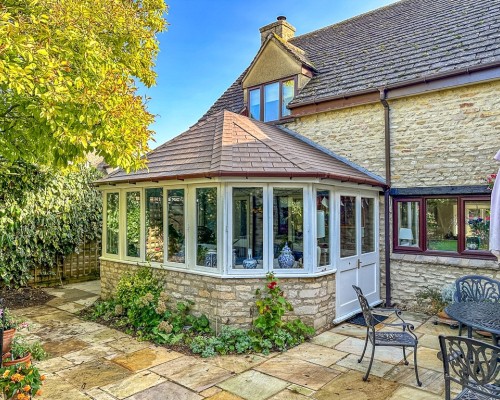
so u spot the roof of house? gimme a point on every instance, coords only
(228, 144)
(398, 43)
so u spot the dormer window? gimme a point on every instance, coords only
(269, 102)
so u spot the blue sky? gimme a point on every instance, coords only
(209, 43)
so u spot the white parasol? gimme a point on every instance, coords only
(495, 215)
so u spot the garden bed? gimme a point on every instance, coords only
(24, 297)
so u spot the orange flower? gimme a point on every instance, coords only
(22, 396)
(27, 388)
(6, 374)
(17, 378)
(38, 392)
(42, 377)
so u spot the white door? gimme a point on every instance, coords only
(358, 262)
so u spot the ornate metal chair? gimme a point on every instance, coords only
(404, 338)
(476, 288)
(472, 364)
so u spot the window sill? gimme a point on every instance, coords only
(443, 254)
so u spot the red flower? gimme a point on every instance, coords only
(272, 285)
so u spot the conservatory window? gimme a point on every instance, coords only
(154, 224)
(288, 227)
(133, 223)
(323, 252)
(176, 242)
(112, 222)
(367, 225)
(248, 228)
(206, 229)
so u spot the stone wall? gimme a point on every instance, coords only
(231, 301)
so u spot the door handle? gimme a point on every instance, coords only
(359, 263)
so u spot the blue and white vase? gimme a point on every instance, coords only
(286, 259)
(250, 262)
(211, 259)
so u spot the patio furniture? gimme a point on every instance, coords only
(473, 365)
(404, 338)
(483, 316)
(476, 288)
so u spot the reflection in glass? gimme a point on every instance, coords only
(248, 227)
(442, 229)
(367, 225)
(287, 92)
(271, 102)
(206, 232)
(408, 223)
(323, 227)
(112, 222)
(288, 224)
(133, 224)
(154, 224)
(175, 220)
(347, 226)
(254, 103)
(477, 225)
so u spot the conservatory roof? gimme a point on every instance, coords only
(228, 144)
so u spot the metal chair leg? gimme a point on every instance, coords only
(364, 348)
(404, 355)
(460, 326)
(415, 363)
(365, 378)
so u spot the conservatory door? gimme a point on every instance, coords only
(358, 262)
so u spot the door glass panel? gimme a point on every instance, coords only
(288, 227)
(323, 227)
(133, 223)
(442, 224)
(408, 223)
(347, 226)
(112, 222)
(206, 217)
(154, 224)
(477, 225)
(248, 228)
(176, 249)
(367, 225)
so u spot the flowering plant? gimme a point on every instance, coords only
(479, 227)
(11, 321)
(20, 381)
(490, 180)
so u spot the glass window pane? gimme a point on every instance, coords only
(271, 102)
(154, 224)
(347, 226)
(287, 92)
(288, 227)
(323, 227)
(442, 229)
(176, 245)
(477, 225)
(206, 217)
(133, 224)
(248, 228)
(408, 223)
(367, 225)
(254, 101)
(112, 222)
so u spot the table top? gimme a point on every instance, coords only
(479, 315)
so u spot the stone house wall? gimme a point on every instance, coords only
(231, 301)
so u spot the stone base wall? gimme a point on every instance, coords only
(411, 273)
(232, 301)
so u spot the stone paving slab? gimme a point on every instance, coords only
(253, 385)
(133, 384)
(392, 355)
(328, 339)
(57, 348)
(288, 394)
(56, 388)
(316, 354)
(223, 395)
(92, 353)
(432, 381)
(379, 368)
(145, 358)
(408, 393)
(165, 391)
(237, 363)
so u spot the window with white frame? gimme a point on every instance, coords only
(112, 222)
(176, 239)
(323, 251)
(133, 224)
(206, 227)
(154, 224)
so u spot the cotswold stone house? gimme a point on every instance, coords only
(355, 154)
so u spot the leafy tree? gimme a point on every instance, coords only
(69, 71)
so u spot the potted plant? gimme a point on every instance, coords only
(20, 382)
(23, 351)
(10, 324)
(435, 300)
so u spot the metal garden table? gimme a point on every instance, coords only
(484, 316)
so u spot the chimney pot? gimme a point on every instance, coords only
(281, 18)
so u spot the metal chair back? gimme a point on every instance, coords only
(365, 308)
(472, 364)
(477, 288)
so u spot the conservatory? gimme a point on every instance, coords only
(233, 199)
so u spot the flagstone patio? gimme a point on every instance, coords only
(91, 361)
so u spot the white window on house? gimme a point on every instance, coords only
(206, 229)
(288, 228)
(112, 222)
(154, 224)
(248, 228)
(176, 239)
(133, 224)
(269, 102)
(323, 252)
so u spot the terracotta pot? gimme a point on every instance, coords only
(24, 360)
(8, 335)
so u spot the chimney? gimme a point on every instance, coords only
(281, 28)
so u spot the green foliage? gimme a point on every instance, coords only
(21, 347)
(434, 300)
(44, 214)
(21, 381)
(230, 340)
(69, 73)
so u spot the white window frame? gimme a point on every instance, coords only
(187, 238)
(331, 229)
(142, 225)
(105, 222)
